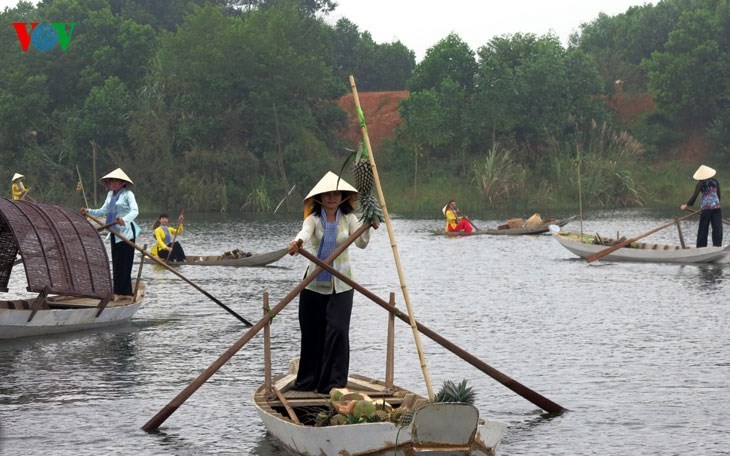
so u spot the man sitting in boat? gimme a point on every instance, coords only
(455, 221)
(165, 247)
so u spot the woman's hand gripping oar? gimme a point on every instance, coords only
(171, 269)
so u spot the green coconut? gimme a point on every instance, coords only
(337, 393)
(363, 408)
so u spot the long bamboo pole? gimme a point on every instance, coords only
(81, 183)
(391, 235)
(532, 396)
(174, 404)
(171, 269)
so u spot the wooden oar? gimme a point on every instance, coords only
(171, 269)
(172, 244)
(284, 198)
(174, 404)
(532, 396)
(81, 184)
(697, 212)
(626, 242)
(467, 219)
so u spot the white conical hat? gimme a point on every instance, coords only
(117, 174)
(329, 183)
(16, 176)
(703, 172)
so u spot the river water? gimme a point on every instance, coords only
(637, 352)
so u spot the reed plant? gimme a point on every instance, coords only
(498, 175)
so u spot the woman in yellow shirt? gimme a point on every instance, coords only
(17, 189)
(165, 248)
(454, 220)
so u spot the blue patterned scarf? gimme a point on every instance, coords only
(111, 209)
(328, 243)
(167, 234)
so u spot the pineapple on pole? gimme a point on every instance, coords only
(391, 234)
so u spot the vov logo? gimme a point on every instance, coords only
(44, 37)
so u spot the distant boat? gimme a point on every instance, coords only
(588, 245)
(66, 266)
(236, 259)
(513, 229)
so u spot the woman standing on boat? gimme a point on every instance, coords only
(325, 305)
(709, 204)
(455, 221)
(120, 208)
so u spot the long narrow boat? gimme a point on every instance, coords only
(256, 259)
(67, 269)
(639, 251)
(435, 428)
(540, 228)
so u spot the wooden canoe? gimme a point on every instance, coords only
(257, 259)
(639, 251)
(522, 230)
(436, 428)
(59, 314)
(66, 269)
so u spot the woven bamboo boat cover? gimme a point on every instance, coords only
(62, 252)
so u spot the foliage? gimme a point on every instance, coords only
(696, 43)
(497, 175)
(451, 392)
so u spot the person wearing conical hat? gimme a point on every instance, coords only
(325, 304)
(455, 220)
(711, 214)
(17, 189)
(120, 209)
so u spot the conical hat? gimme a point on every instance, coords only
(329, 183)
(16, 176)
(117, 174)
(703, 172)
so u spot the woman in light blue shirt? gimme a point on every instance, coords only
(120, 208)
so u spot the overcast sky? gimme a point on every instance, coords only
(420, 24)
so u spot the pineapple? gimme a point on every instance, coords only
(364, 178)
(363, 171)
(451, 392)
(369, 209)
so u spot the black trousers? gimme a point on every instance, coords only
(710, 217)
(122, 262)
(324, 361)
(178, 254)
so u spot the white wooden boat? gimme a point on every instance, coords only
(307, 423)
(67, 270)
(436, 428)
(256, 259)
(58, 314)
(588, 245)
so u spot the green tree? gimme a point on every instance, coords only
(684, 77)
(451, 57)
